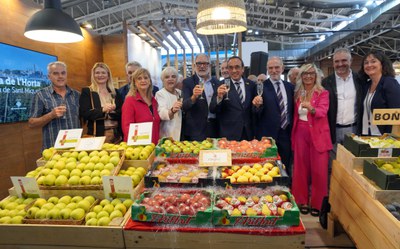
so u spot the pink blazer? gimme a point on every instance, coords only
(318, 123)
(135, 110)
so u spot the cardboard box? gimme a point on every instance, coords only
(383, 179)
(139, 212)
(162, 152)
(151, 180)
(360, 149)
(221, 217)
(283, 179)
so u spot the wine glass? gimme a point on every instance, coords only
(112, 101)
(64, 104)
(227, 82)
(260, 88)
(178, 96)
(201, 84)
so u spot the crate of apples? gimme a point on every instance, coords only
(255, 207)
(262, 174)
(174, 206)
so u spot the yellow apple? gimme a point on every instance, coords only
(77, 214)
(103, 221)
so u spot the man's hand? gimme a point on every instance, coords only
(59, 111)
(257, 101)
(221, 91)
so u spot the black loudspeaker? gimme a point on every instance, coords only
(258, 63)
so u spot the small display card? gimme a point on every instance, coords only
(90, 143)
(26, 187)
(385, 152)
(215, 158)
(118, 187)
(68, 138)
(140, 133)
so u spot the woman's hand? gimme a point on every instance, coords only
(176, 106)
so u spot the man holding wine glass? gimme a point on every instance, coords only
(55, 107)
(274, 110)
(198, 90)
(233, 107)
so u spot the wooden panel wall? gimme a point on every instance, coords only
(20, 144)
(115, 55)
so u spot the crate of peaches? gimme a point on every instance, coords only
(167, 174)
(256, 174)
(174, 206)
(255, 207)
(265, 147)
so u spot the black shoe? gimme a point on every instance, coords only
(304, 209)
(315, 212)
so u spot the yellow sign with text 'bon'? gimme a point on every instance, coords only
(386, 117)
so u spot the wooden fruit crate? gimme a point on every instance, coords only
(365, 219)
(140, 163)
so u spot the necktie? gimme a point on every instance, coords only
(284, 121)
(239, 91)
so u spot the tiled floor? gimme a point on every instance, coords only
(317, 237)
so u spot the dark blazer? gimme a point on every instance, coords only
(387, 96)
(232, 115)
(195, 114)
(329, 84)
(268, 115)
(95, 113)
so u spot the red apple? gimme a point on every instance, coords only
(172, 210)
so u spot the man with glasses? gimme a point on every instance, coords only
(344, 88)
(55, 107)
(198, 90)
(274, 110)
(235, 112)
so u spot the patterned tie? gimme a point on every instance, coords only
(239, 91)
(284, 121)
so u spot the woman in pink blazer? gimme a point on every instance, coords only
(311, 141)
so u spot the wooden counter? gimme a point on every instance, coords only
(364, 218)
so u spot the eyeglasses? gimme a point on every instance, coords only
(309, 74)
(199, 64)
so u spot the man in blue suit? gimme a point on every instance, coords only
(269, 114)
(198, 122)
(235, 113)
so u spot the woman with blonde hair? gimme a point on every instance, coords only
(140, 105)
(169, 101)
(311, 140)
(100, 104)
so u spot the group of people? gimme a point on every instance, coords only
(306, 119)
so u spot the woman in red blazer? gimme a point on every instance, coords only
(140, 105)
(311, 141)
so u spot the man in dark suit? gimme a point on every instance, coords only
(345, 97)
(234, 114)
(272, 119)
(198, 122)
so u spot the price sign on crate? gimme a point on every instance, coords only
(387, 117)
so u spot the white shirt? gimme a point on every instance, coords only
(169, 127)
(303, 112)
(346, 97)
(283, 91)
(367, 117)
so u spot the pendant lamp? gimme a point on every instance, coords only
(51, 24)
(217, 17)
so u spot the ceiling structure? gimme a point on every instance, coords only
(294, 30)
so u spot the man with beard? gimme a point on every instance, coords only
(198, 90)
(344, 88)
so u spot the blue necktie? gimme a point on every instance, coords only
(284, 121)
(239, 91)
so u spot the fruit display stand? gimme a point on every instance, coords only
(355, 204)
(140, 163)
(140, 235)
